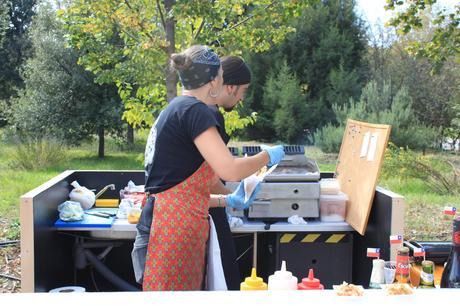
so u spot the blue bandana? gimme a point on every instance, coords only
(203, 69)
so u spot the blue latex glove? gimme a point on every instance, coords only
(276, 154)
(236, 199)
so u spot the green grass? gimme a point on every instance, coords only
(423, 217)
(16, 182)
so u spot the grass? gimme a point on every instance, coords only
(423, 218)
(16, 182)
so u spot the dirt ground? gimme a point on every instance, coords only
(10, 269)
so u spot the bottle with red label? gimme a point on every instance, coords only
(451, 274)
(402, 266)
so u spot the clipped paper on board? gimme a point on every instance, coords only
(365, 144)
(372, 147)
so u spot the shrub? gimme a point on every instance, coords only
(329, 138)
(37, 154)
(439, 175)
(378, 105)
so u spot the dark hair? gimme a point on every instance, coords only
(236, 72)
(180, 61)
(183, 60)
(197, 66)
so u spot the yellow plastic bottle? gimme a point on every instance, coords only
(253, 282)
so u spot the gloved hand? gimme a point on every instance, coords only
(276, 154)
(236, 199)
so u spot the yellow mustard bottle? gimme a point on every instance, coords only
(253, 282)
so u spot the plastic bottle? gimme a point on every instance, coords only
(377, 276)
(310, 282)
(253, 282)
(282, 279)
(451, 274)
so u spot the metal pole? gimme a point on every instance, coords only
(254, 251)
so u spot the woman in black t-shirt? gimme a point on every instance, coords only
(185, 158)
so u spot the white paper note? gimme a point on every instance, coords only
(365, 144)
(372, 147)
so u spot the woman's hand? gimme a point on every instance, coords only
(236, 199)
(276, 154)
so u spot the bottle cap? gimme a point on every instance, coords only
(282, 279)
(310, 282)
(253, 282)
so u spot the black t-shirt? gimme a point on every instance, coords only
(171, 155)
(221, 123)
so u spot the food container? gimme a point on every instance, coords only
(329, 186)
(333, 208)
(134, 214)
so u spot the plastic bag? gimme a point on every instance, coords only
(70, 211)
(135, 193)
(82, 195)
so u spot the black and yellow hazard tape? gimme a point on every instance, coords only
(315, 237)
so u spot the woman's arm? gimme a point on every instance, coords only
(219, 188)
(217, 200)
(227, 167)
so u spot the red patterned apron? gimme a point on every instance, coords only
(178, 235)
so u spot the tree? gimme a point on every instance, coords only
(325, 53)
(129, 42)
(445, 41)
(284, 114)
(379, 105)
(433, 96)
(15, 48)
(3, 21)
(60, 98)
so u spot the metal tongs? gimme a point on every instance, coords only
(101, 214)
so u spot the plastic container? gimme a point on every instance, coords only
(282, 279)
(377, 275)
(329, 186)
(310, 282)
(253, 282)
(333, 208)
(134, 214)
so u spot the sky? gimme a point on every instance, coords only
(373, 11)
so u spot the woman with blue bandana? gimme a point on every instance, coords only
(185, 158)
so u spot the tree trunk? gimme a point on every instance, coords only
(101, 142)
(171, 75)
(130, 135)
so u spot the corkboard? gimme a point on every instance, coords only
(358, 168)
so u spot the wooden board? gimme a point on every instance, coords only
(358, 173)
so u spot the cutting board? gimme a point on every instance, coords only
(90, 221)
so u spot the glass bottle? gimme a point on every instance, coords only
(402, 266)
(451, 274)
(427, 274)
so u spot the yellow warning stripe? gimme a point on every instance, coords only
(335, 238)
(311, 237)
(286, 238)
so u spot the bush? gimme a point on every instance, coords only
(37, 154)
(439, 175)
(329, 138)
(379, 105)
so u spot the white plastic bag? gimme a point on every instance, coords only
(82, 195)
(70, 211)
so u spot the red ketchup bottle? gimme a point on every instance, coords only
(310, 283)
